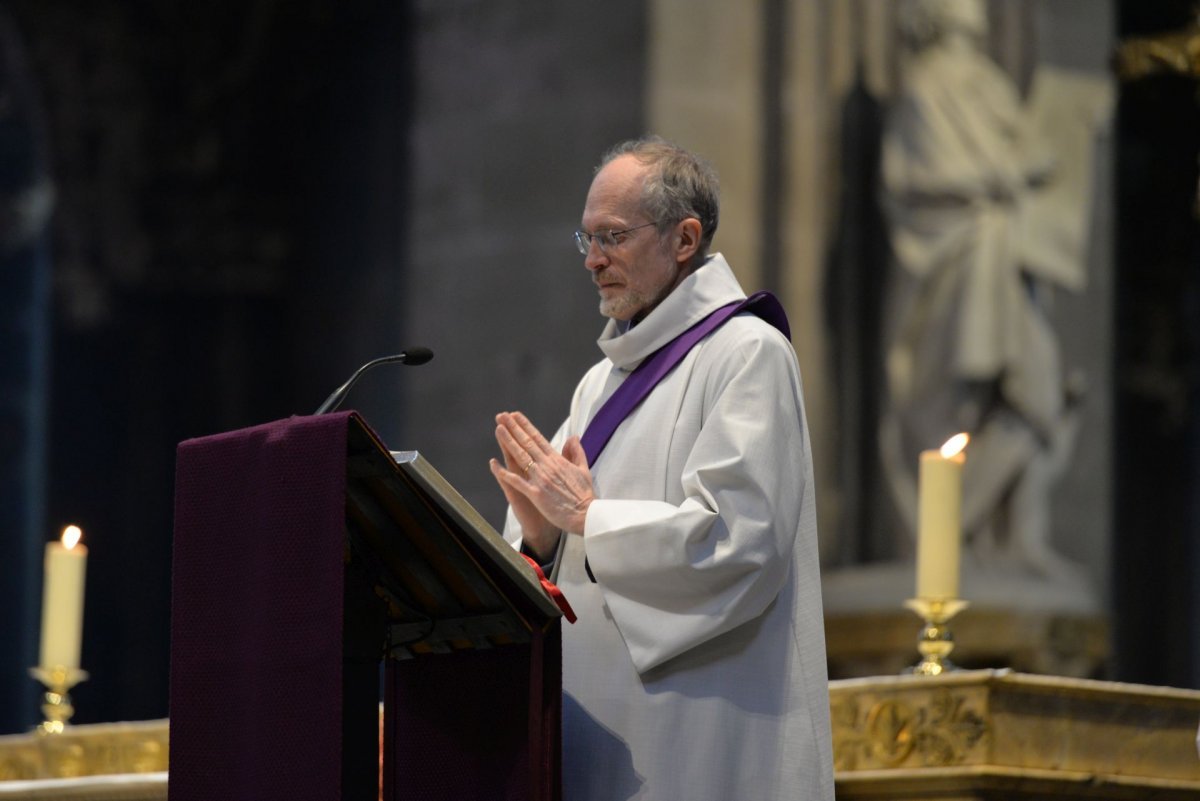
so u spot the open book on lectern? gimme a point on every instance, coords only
(449, 580)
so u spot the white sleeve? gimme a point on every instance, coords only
(675, 576)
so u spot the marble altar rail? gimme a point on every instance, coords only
(966, 736)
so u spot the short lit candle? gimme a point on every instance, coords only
(939, 519)
(62, 600)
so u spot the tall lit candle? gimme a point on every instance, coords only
(939, 519)
(62, 600)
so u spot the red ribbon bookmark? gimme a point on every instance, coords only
(552, 589)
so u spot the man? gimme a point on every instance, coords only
(688, 548)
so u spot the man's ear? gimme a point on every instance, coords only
(687, 239)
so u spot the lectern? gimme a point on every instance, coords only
(306, 554)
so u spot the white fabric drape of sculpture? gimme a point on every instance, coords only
(970, 347)
(697, 667)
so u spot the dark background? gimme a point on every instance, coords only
(206, 249)
(1156, 589)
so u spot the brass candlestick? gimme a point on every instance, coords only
(935, 642)
(56, 705)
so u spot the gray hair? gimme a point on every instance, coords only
(680, 185)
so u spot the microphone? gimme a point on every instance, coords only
(412, 356)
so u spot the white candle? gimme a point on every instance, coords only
(939, 519)
(62, 600)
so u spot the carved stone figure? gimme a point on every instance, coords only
(981, 237)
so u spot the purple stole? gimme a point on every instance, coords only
(655, 367)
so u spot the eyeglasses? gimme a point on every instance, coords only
(605, 239)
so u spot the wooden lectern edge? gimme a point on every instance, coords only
(416, 467)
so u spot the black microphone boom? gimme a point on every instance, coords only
(413, 356)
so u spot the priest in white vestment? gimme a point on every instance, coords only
(688, 549)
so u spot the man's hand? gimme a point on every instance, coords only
(549, 492)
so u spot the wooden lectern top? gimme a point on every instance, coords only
(450, 581)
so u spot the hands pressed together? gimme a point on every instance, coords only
(549, 491)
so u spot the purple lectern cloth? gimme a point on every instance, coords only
(482, 724)
(256, 646)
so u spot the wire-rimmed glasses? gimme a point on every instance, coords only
(605, 239)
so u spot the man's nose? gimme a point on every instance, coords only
(595, 258)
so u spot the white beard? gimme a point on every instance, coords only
(627, 305)
(633, 306)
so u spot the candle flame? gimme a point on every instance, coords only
(955, 445)
(71, 536)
